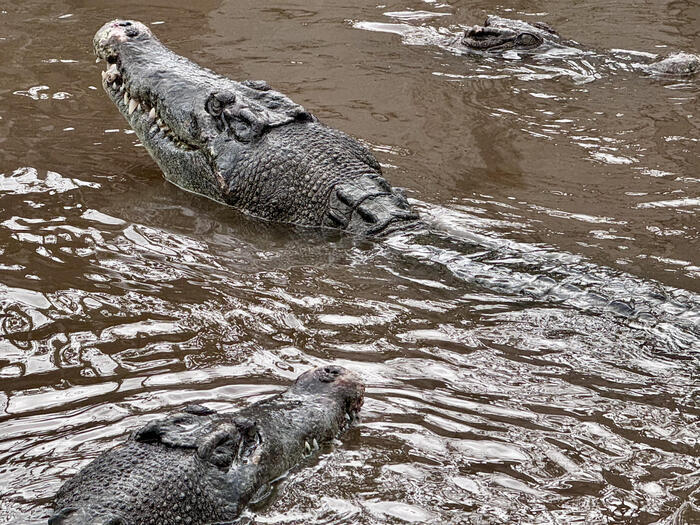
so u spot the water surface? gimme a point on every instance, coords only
(123, 297)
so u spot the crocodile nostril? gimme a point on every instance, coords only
(333, 370)
(125, 24)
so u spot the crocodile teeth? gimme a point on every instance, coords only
(122, 88)
(132, 105)
(111, 74)
(126, 98)
(152, 114)
(315, 444)
(97, 60)
(307, 446)
(114, 86)
(347, 416)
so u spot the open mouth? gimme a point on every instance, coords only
(350, 416)
(140, 109)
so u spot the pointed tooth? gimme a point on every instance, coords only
(122, 88)
(347, 416)
(97, 60)
(138, 107)
(315, 444)
(152, 114)
(112, 69)
(307, 446)
(104, 74)
(114, 86)
(132, 105)
(126, 98)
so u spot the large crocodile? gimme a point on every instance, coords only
(199, 466)
(501, 35)
(245, 145)
(241, 143)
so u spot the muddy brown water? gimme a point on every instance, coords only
(123, 297)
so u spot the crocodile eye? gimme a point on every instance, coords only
(217, 104)
(528, 40)
(214, 105)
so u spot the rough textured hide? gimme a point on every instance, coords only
(499, 35)
(199, 466)
(242, 143)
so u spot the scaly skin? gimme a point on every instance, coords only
(241, 143)
(502, 34)
(198, 466)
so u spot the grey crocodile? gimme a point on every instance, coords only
(198, 466)
(507, 38)
(248, 146)
(500, 35)
(242, 143)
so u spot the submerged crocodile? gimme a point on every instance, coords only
(509, 38)
(199, 466)
(500, 35)
(242, 143)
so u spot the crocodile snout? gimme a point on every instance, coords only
(111, 35)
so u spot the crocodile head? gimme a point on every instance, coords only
(184, 114)
(242, 143)
(502, 34)
(200, 466)
(320, 405)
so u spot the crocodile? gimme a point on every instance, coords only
(512, 39)
(200, 466)
(242, 143)
(245, 145)
(500, 35)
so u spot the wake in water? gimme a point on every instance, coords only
(670, 315)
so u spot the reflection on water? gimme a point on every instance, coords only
(534, 359)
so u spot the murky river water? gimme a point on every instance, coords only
(124, 298)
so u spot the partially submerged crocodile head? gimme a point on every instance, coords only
(199, 466)
(242, 143)
(498, 35)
